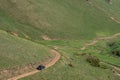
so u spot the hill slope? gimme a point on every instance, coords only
(18, 55)
(57, 19)
(73, 66)
(24, 24)
(113, 8)
(16, 51)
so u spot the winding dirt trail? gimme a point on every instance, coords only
(57, 57)
(103, 38)
(49, 64)
(117, 69)
(115, 19)
(98, 39)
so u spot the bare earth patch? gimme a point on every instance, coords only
(115, 19)
(45, 37)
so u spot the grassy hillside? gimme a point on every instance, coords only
(113, 8)
(16, 51)
(71, 54)
(80, 69)
(103, 52)
(57, 19)
(23, 30)
(23, 23)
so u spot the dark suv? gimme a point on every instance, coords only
(40, 67)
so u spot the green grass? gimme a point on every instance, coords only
(70, 54)
(74, 46)
(57, 19)
(15, 51)
(102, 51)
(23, 30)
(73, 22)
(113, 9)
(64, 43)
(81, 70)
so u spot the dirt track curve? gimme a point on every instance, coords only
(57, 56)
(103, 38)
(98, 39)
(52, 62)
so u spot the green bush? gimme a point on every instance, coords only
(71, 65)
(114, 48)
(93, 60)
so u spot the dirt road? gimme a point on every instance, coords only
(49, 64)
(57, 56)
(103, 38)
(98, 39)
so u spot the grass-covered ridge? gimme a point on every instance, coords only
(15, 51)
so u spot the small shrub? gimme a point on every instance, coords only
(114, 48)
(83, 54)
(70, 65)
(76, 54)
(116, 53)
(93, 60)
